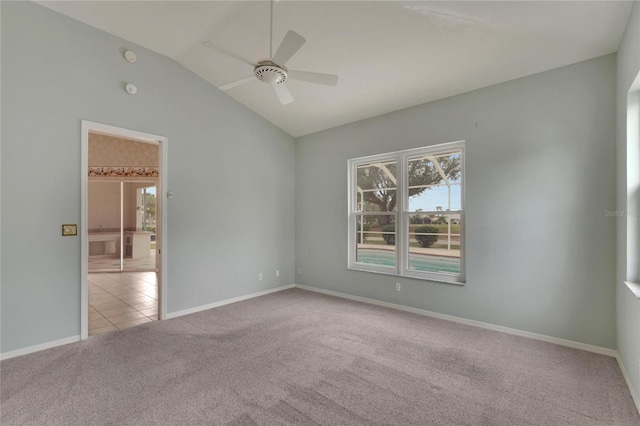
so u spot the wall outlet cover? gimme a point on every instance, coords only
(69, 230)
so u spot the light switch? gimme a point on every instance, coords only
(69, 230)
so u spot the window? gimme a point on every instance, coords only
(406, 213)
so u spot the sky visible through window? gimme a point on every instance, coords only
(436, 197)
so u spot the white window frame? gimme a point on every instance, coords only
(402, 214)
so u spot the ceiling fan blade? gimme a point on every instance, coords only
(290, 44)
(314, 77)
(238, 82)
(219, 49)
(283, 93)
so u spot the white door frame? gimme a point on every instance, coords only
(162, 141)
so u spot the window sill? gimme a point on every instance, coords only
(634, 287)
(441, 280)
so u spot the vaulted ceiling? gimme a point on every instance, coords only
(388, 55)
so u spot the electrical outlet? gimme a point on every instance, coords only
(260, 277)
(397, 286)
(277, 273)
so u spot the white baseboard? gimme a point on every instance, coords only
(636, 400)
(514, 331)
(73, 339)
(40, 347)
(558, 341)
(226, 302)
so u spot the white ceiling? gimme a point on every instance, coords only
(388, 55)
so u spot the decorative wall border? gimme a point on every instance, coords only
(123, 171)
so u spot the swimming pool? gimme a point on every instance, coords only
(417, 261)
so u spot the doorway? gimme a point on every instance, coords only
(123, 252)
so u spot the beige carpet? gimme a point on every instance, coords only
(297, 357)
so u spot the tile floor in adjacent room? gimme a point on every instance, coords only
(121, 299)
(130, 263)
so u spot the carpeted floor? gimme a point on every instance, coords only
(297, 357)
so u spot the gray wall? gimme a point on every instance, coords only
(540, 171)
(231, 171)
(628, 311)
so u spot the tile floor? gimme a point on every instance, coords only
(121, 299)
(132, 264)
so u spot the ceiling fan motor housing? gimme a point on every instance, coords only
(270, 72)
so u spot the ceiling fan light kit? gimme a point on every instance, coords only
(269, 72)
(272, 71)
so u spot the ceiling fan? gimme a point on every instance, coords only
(272, 71)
